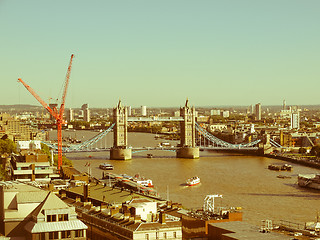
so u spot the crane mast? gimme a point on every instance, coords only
(58, 115)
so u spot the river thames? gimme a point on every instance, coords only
(244, 181)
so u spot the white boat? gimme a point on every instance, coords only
(309, 180)
(193, 181)
(145, 182)
(142, 181)
(106, 166)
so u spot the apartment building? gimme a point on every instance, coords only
(17, 131)
(113, 213)
(31, 213)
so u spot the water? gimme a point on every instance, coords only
(244, 181)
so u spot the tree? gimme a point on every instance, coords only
(65, 161)
(7, 146)
(46, 150)
(315, 151)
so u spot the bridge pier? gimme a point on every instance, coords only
(188, 147)
(120, 153)
(188, 152)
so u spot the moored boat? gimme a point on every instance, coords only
(193, 181)
(281, 167)
(142, 181)
(309, 180)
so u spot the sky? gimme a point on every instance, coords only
(159, 53)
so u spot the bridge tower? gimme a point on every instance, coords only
(188, 147)
(265, 146)
(119, 151)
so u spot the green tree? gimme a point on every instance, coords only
(46, 150)
(3, 173)
(7, 146)
(65, 161)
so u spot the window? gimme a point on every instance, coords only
(36, 236)
(175, 234)
(66, 234)
(78, 233)
(62, 217)
(53, 235)
(51, 218)
(147, 236)
(43, 236)
(165, 235)
(157, 235)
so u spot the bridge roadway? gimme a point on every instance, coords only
(173, 149)
(155, 119)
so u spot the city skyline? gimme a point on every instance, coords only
(160, 53)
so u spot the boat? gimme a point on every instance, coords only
(193, 181)
(283, 167)
(149, 155)
(106, 166)
(309, 180)
(283, 176)
(145, 182)
(142, 181)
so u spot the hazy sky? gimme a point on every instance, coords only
(158, 53)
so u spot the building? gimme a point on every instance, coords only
(28, 145)
(70, 115)
(258, 111)
(33, 166)
(116, 213)
(144, 111)
(16, 131)
(30, 213)
(295, 120)
(241, 231)
(218, 127)
(225, 114)
(129, 111)
(86, 112)
(215, 112)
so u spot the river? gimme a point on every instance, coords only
(244, 181)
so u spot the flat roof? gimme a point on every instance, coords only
(245, 231)
(110, 195)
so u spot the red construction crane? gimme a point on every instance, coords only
(57, 114)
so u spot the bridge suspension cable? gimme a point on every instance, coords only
(222, 143)
(91, 141)
(83, 145)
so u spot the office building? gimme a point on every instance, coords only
(70, 115)
(144, 111)
(129, 111)
(225, 114)
(33, 166)
(295, 120)
(86, 112)
(258, 112)
(215, 112)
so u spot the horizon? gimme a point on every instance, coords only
(152, 53)
(164, 107)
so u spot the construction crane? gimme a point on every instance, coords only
(57, 114)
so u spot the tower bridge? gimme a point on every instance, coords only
(189, 131)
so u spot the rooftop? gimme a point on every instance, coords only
(245, 231)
